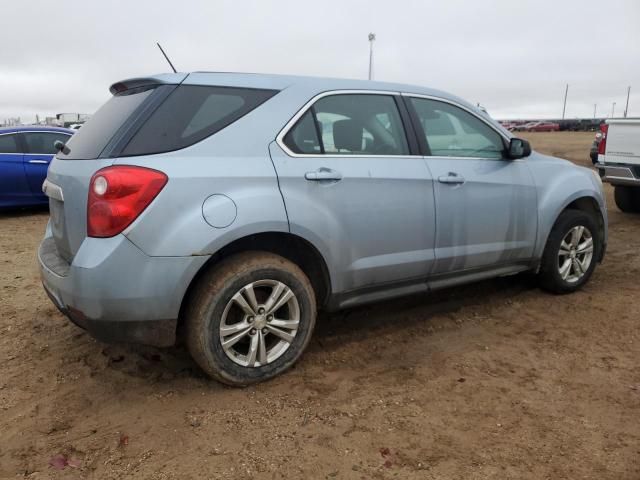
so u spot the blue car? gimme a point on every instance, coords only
(25, 154)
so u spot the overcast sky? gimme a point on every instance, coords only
(512, 56)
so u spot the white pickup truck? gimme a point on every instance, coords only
(619, 161)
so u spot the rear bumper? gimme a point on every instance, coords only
(619, 174)
(115, 291)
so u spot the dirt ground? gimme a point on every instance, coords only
(494, 380)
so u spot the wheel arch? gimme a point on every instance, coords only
(582, 201)
(290, 246)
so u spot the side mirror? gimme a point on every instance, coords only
(518, 148)
(61, 147)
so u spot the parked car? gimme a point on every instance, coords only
(25, 154)
(231, 207)
(540, 127)
(508, 125)
(522, 127)
(619, 160)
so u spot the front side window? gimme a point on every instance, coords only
(350, 124)
(42, 142)
(451, 131)
(9, 144)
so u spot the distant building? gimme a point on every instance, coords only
(66, 119)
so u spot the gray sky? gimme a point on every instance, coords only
(513, 56)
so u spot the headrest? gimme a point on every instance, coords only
(347, 135)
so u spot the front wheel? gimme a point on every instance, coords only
(571, 253)
(250, 318)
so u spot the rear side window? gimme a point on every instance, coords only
(9, 144)
(191, 113)
(350, 124)
(42, 142)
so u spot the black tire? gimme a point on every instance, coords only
(549, 275)
(627, 198)
(204, 312)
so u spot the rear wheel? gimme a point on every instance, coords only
(571, 252)
(250, 318)
(627, 198)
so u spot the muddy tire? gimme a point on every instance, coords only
(250, 318)
(627, 198)
(571, 253)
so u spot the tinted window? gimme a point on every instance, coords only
(350, 124)
(8, 144)
(191, 113)
(96, 133)
(453, 132)
(42, 142)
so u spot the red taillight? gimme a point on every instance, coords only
(602, 146)
(118, 195)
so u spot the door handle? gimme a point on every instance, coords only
(452, 178)
(323, 175)
(37, 161)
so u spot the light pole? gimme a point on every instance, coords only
(626, 109)
(595, 106)
(564, 107)
(372, 38)
(613, 109)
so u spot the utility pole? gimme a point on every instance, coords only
(613, 109)
(372, 38)
(626, 109)
(595, 106)
(564, 107)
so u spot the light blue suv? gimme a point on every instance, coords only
(231, 207)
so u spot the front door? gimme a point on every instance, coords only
(352, 186)
(486, 204)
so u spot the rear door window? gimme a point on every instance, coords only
(42, 142)
(304, 137)
(192, 113)
(9, 144)
(350, 124)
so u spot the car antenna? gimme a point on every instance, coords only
(165, 56)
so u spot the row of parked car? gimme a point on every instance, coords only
(532, 126)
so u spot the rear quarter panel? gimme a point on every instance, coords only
(234, 162)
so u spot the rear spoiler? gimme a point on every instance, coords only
(163, 79)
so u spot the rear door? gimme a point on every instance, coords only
(486, 204)
(14, 190)
(39, 151)
(352, 185)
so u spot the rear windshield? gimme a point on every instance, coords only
(95, 134)
(147, 120)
